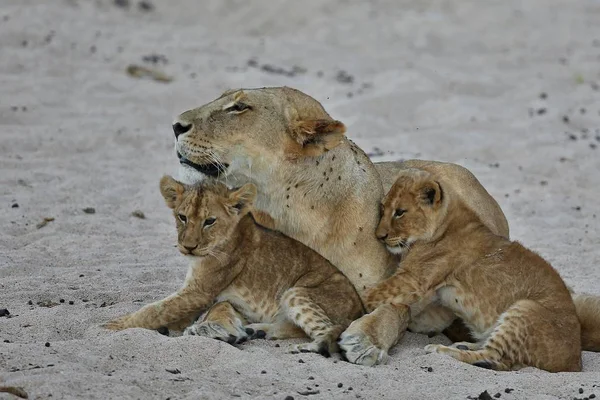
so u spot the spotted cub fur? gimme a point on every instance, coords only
(258, 283)
(515, 304)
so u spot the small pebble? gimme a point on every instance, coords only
(71, 302)
(30, 302)
(6, 341)
(89, 210)
(289, 398)
(47, 344)
(497, 395)
(592, 396)
(138, 214)
(340, 385)
(62, 300)
(301, 361)
(4, 312)
(543, 96)
(580, 390)
(263, 372)
(15, 205)
(508, 390)
(145, 6)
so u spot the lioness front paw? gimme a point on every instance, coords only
(215, 330)
(358, 348)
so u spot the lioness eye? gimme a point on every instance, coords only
(237, 108)
(209, 221)
(182, 218)
(399, 212)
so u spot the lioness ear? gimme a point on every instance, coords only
(243, 197)
(171, 190)
(318, 136)
(431, 193)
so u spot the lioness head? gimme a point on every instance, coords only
(250, 130)
(206, 215)
(412, 210)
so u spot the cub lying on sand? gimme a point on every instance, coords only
(515, 304)
(258, 275)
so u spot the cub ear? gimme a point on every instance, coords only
(317, 136)
(242, 198)
(431, 194)
(171, 190)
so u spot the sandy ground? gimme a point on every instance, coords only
(507, 88)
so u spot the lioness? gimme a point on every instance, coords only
(275, 283)
(515, 304)
(322, 190)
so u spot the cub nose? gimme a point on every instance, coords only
(382, 236)
(180, 128)
(190, 249)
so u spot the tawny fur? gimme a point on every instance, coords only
(265, 284)
(515, 304)
(322, 190)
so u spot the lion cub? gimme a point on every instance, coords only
(515, 304)
(254, 274)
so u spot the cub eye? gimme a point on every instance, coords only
(237, 108)
(209, 221)
(182, 218)
(399, 212)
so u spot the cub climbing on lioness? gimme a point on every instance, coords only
(515, 304)
(263, 282)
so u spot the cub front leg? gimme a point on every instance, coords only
(368, 340)
(180, 305)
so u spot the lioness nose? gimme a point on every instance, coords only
(180, 128)
(190, 249)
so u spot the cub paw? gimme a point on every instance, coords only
(433, 348)
(322, 347)
(215, 330)
(117, 324)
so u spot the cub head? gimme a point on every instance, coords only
(412, 210)
(206, 215)
(248, 130)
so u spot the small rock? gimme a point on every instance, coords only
(592, 396)
(543, 96)
(163, 330)
(61, 300)
(301, 361)
(30, 302)
(580, 390)
(484, 396)
(498, 395)
(145, 6)
(15, 205)
(340, 385)
(508, 390)
(4, 312)
(138, 214)
(89, 210)
(263, 372)
(308, 392)
(71, 302)
(47, 344)
(6, 341)
(541, 111)
(289, 398)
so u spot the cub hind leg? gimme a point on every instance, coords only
(527, 334)
(305, 307)
(221, 322)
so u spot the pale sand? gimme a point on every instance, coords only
(451, 81)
